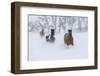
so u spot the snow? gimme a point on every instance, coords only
(40, 49)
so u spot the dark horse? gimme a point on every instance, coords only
(51, 38)
(68, 38)
(42, 33)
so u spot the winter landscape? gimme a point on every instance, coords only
(57, 37)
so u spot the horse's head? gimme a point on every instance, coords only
(70, 32)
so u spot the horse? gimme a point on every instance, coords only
(42, 33)
(50, 37)
(68, 38)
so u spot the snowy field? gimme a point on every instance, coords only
(39, 49)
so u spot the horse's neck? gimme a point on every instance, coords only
(70, 34)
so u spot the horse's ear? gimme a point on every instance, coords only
(70, 31)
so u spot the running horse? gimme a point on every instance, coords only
(42, 33)
(51, 37)
(68, 38)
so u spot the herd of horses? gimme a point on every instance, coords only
(68, 38)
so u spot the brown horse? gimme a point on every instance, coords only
(68, 38)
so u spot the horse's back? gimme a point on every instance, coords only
(68, 39)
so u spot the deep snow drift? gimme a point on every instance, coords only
(39, 49)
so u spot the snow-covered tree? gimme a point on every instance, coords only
(31, 27)
(44, 20)
(70, 21)
(54, 21)
(82, 23)
(62, 23)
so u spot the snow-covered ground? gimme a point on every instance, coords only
(39, 49)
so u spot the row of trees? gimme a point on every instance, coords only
(58, 23)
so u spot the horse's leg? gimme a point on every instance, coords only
(72, 42)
